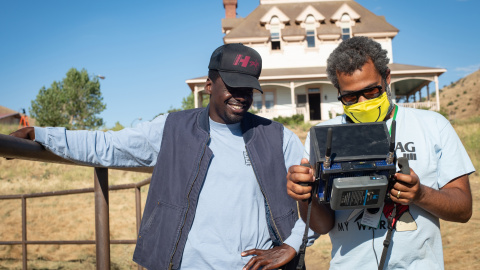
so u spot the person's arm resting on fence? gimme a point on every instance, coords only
(130, 147)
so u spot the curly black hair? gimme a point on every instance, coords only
(352, 54)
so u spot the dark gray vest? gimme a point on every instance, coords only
(178, 176)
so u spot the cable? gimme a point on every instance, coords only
(373, 246)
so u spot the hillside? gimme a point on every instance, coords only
(461, 99)
(5, 110)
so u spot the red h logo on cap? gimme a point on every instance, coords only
(244, 61)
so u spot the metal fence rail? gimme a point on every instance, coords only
(11, 147)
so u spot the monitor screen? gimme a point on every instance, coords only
(351, 141)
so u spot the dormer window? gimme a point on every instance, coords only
(275, 33)
(345, 25)
(310, 29)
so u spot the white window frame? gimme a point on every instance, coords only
(275, 33)
(310, 30)
(345, 26)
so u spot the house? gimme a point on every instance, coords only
(295, 38)
(8, 116)
(11, 117)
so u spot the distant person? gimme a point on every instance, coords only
(217, 198)
(437, 187)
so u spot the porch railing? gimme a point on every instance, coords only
(285, 112)
(11, 147)
(430, 105)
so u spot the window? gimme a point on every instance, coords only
(301, 100)
(345, 33)
(345, 25)
(310, 38)
(275, 33)
(269, 100)
(310, 28)
(257, 100)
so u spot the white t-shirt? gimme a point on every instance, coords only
(437, 156)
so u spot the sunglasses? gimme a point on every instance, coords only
(368, 93)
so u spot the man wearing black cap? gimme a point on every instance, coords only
(218, 198)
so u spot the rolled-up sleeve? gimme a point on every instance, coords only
(130, 147)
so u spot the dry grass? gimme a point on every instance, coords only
(71, 217)
(460, 246)
(461, 99)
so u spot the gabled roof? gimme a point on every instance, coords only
(400, 69)
(229, 23)
(274, 11)
(252, 29)
(5, 110)
(345, 9)
(309, 10)
(14, 115)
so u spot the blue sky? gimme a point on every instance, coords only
(147, 49)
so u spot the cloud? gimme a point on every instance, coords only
(468, 69)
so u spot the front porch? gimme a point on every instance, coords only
(428, 105)
(307, 91)
(285, 112)
(288, 112)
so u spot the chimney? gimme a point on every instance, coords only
(230, 8)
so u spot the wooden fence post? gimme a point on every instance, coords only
(102, 226)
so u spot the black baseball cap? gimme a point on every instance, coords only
(238, 65)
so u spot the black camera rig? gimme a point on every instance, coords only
(354, 167)
(354, 164)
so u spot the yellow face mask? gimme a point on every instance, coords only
(372, 110)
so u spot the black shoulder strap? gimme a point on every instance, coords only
(303, 247)
(388, 237)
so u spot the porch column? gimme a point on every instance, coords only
(428, 92)
(292, 96)
(307, 106)
(195, 96)
(437, 93)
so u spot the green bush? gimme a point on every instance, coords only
(443, 112)
(450, 103)
(294, 120)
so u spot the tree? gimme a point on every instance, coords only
(117, 127)
(73, 103)
(187, 103)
